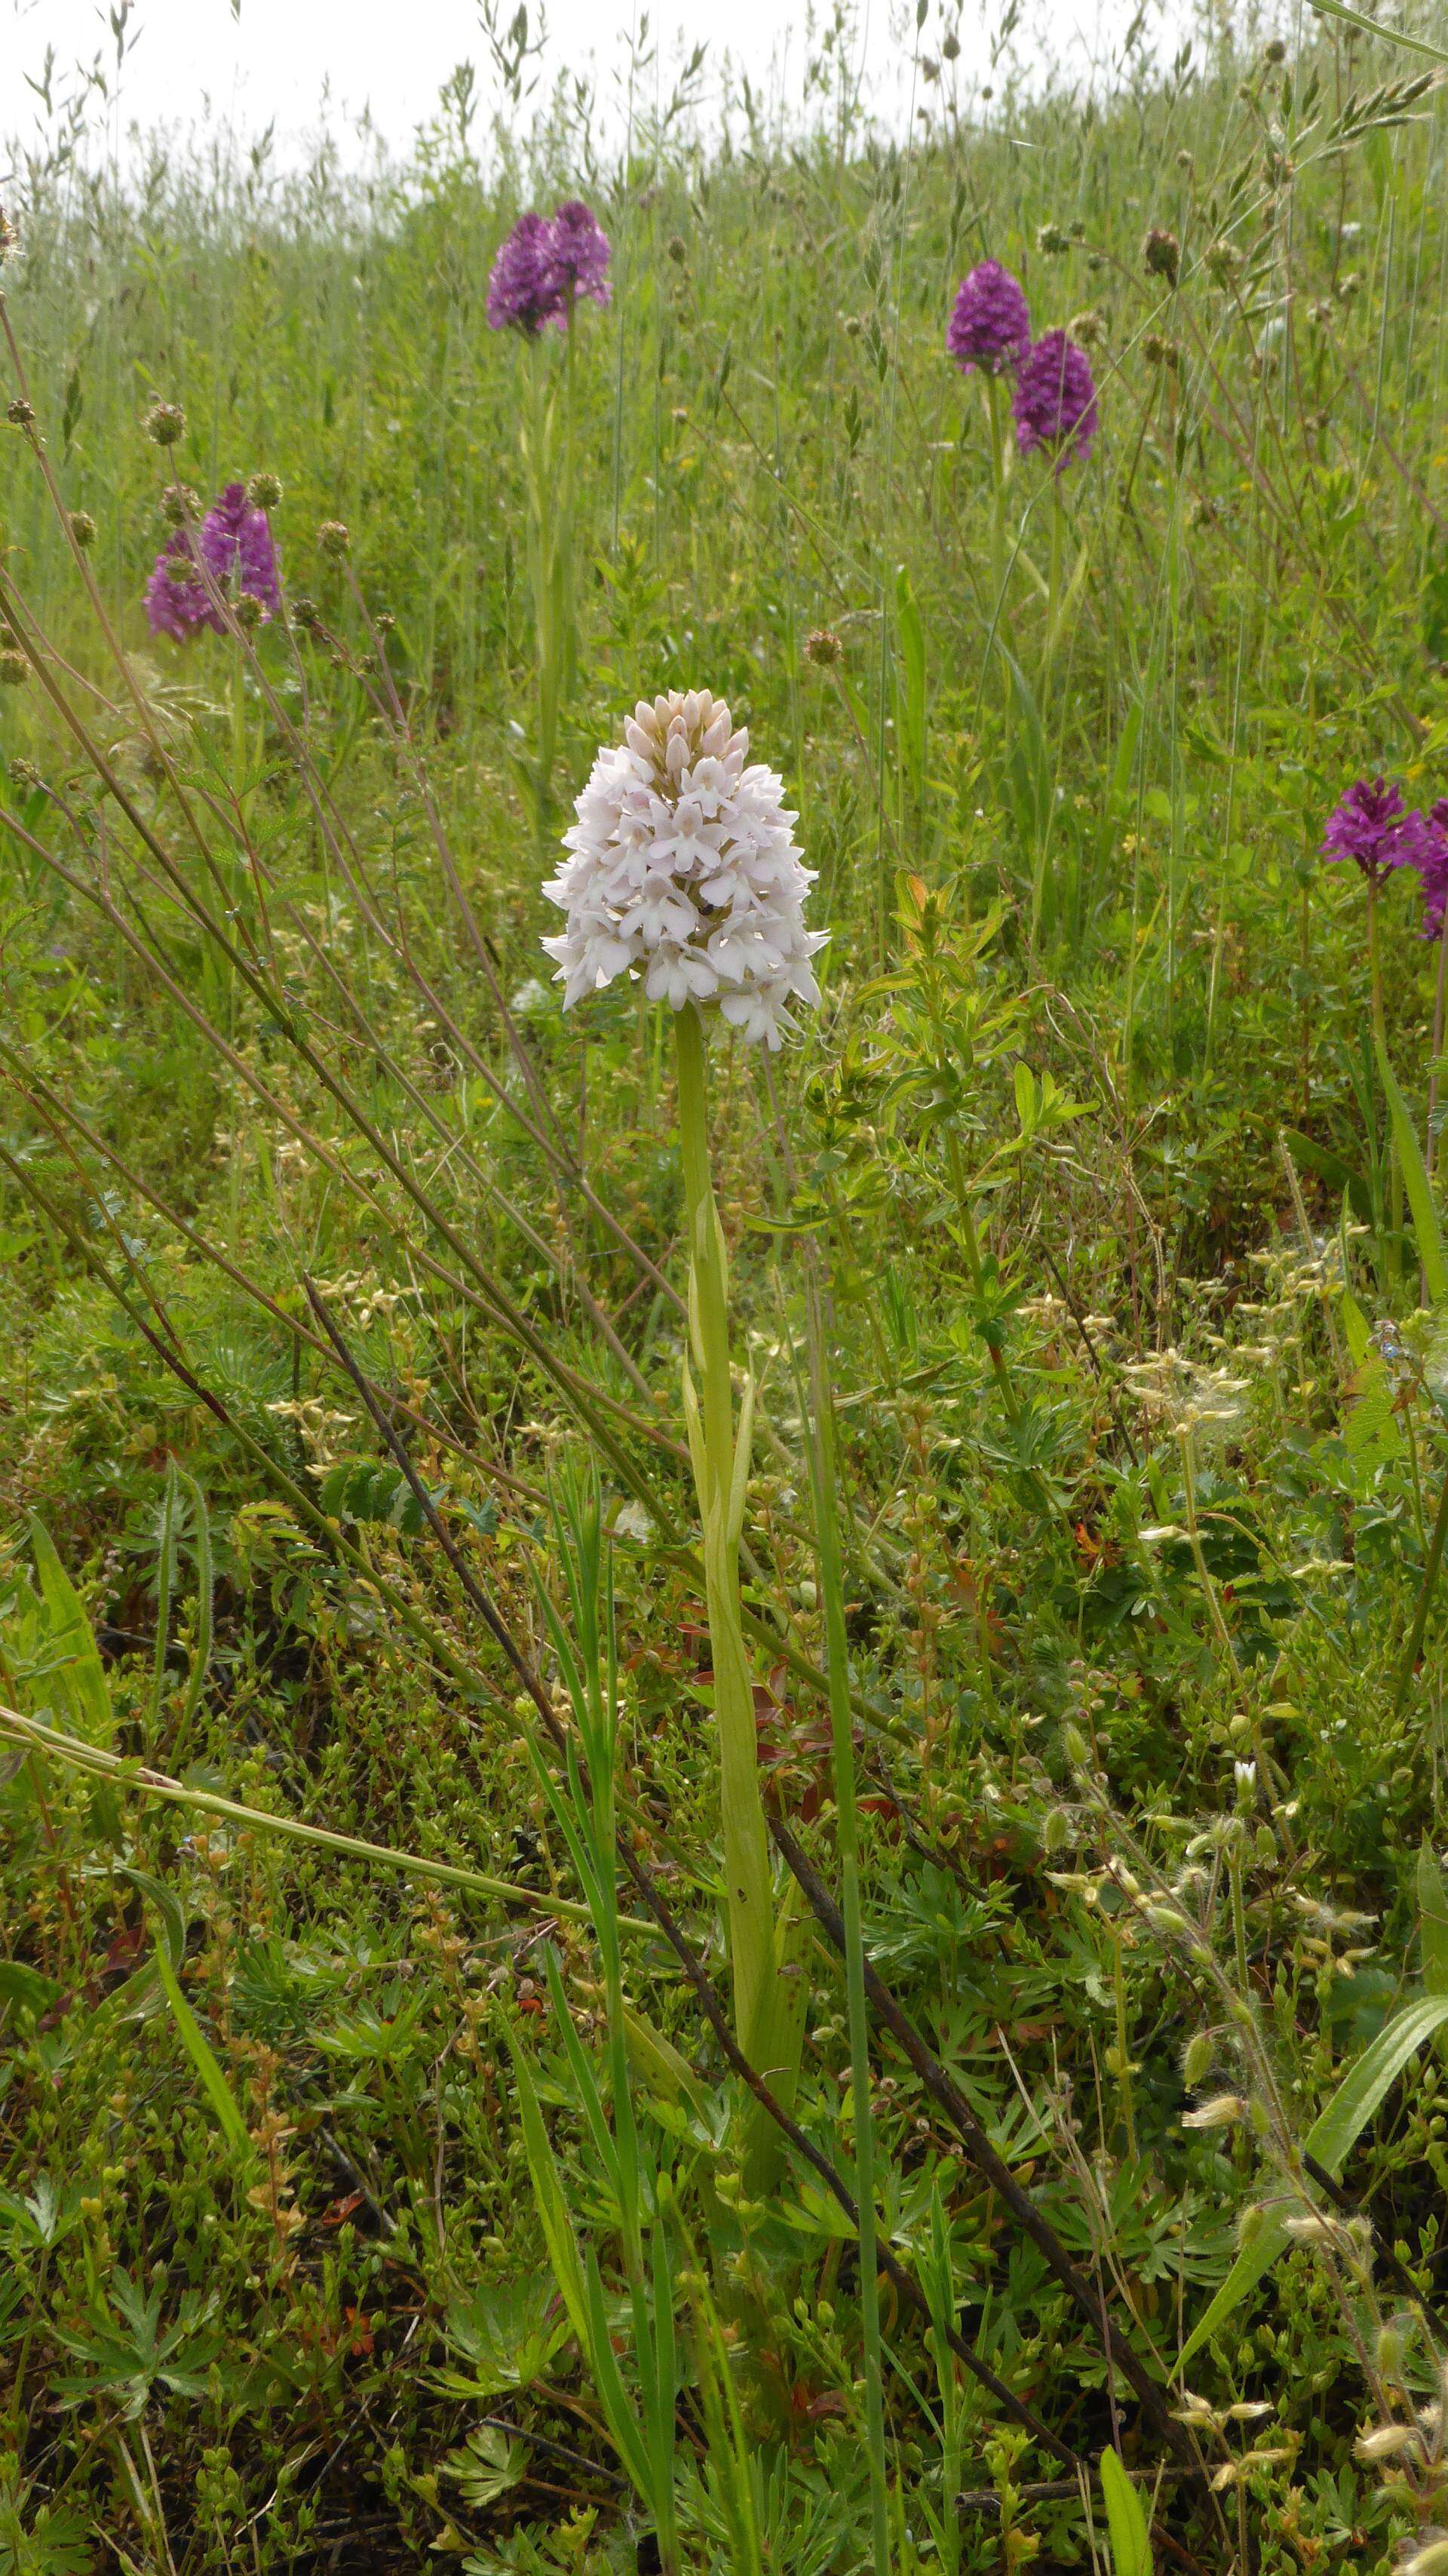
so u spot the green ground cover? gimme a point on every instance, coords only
(367, 2207)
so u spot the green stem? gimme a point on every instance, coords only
(165, 1572)
(1425, 1597)
(1209, 1590)
(832, 1584)
(711, 1427)
(545, 538)
(1380, 1033)
(1123, 2053)
(976, 1266)
(1053, 592)
(998, 503)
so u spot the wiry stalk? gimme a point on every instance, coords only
(721, 1466)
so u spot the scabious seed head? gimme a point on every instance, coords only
(1054, 405)
(20, 413)
(1052, 241)
(682, 869)
(14, 669)
(179, 502)
(1161, 254)
(264, 491)
(989, 326)
(334, 540)
(823, 647)
(165, 424)
(83, 528)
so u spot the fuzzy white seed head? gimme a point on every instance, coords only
(683, 869)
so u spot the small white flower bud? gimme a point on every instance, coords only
(1431, 2560)
(1223, 2111)
(1387, 2441)
(1196, 2057)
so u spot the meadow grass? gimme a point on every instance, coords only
(381, 2173)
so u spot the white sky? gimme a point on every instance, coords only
(281, 59)
(302, 63)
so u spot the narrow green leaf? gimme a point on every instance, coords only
(1328, 2141)
(203, 2057)
(1416, 1183)
(80, 1674)
(623, 2422)
(552, 2208)
(1433, 1921)
(205, 1591)
(1246, 2272)
(1371, 2077)
(912, 653)
(1374, 27)
(1126, 2520)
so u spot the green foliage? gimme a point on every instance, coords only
(372, 2187)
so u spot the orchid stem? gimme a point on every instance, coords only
(763, 2014)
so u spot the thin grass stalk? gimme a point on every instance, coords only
(477, 1287)
(78, 1755)
(821, 1448)
(720, 1472)
(165, 1576)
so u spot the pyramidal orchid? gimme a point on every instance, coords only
(233, 548)
(1372, 828)
(990, 324)
(989, 331)
(682, 872)
(1055, 400)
